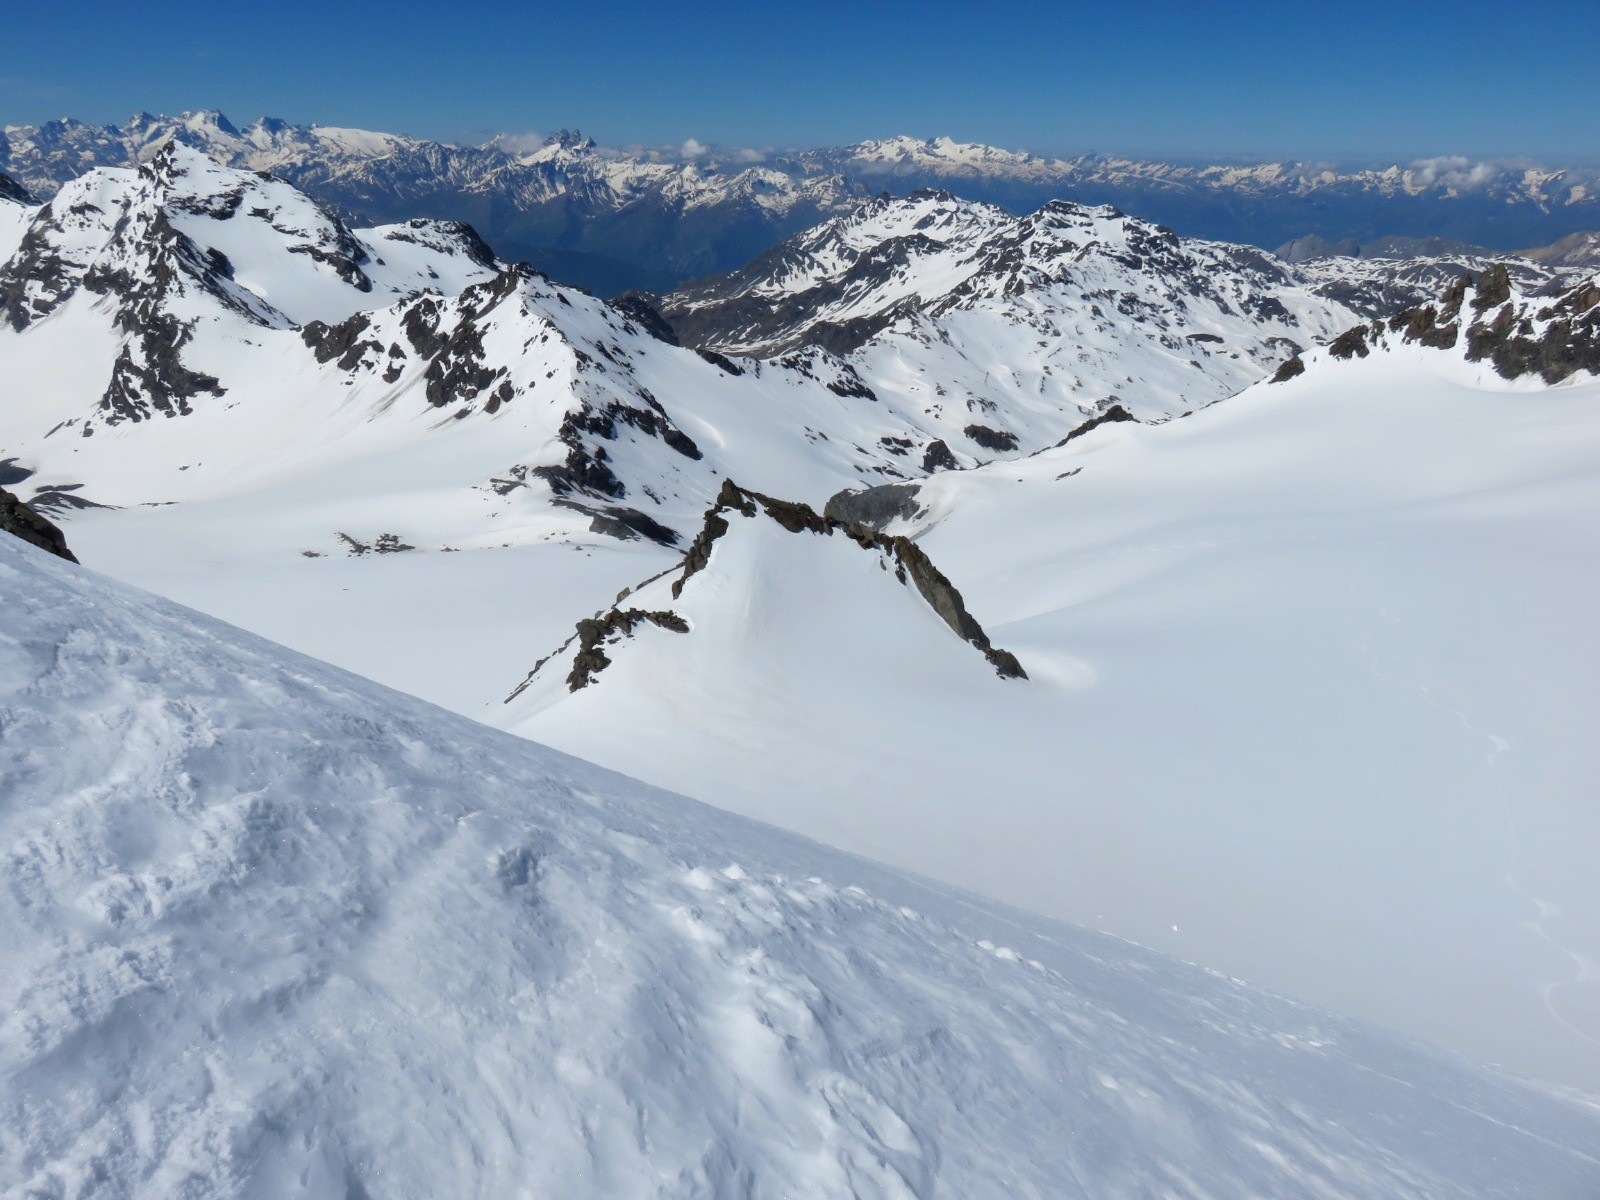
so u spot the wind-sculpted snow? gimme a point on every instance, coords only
(270, 929)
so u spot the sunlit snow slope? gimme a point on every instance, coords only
(1312, 675)
(272, 930)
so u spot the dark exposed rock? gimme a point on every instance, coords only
(1566, 345)
(587, 468)
(17, 519)
(1111, 416)
(721, 361)
(998, 440)
(847, 383)
(150, 377)
(342, 341)
(384, 543)
(1494, 288)
(595, 632)
(1517, 338)
(421, 326)
(345, 264)
(623, 523)
(459, 371)
(459, 233)
(1422, 325)
(640, 307)
(1290, 369)
(1352, 343)
(943, 598)
(11, 190)
(873, 507)
(937, 457)
(37, 277)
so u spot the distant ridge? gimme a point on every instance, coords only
(608, 221)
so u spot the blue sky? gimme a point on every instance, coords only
(1353, 81)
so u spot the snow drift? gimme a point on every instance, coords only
(271, 929)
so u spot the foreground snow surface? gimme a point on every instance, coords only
(1313, 678)
(273, 930)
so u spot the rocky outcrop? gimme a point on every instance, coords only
(595, 632)
(911, 568)
(1487, 321)
(909, 561)
(874, 507)
(1000, 441)
(17, 519)
(1518, 336)
(1113, 415)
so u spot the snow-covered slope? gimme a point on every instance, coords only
(447, 401)
(15, 210)
(251, 236)
(187, 332)
(1310, 679)
(270, 929)
(1008, 332)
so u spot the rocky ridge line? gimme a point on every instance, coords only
(911, 565)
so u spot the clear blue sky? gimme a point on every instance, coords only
(1350, 80)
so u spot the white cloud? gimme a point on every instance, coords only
(518, 143)
(694, 148)
(1458, 171)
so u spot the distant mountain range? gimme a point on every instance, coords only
(608, 221)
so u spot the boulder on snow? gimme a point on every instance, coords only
(17, 519)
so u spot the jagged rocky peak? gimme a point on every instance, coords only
(671, 603)
(571, 141)
(1488, 320)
